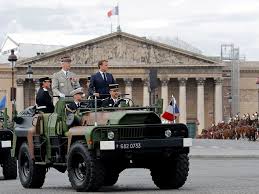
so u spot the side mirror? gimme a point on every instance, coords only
(18, 120)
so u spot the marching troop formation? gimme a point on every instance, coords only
(238, 127)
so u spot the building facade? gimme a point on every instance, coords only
(195, 80)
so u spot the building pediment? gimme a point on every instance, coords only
(122, 49)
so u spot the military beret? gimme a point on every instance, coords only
(113, 86)
(65, 59)
(77, 91)
(43, 79)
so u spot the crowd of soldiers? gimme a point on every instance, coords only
(238, 127)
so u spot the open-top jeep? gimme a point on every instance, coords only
(8, 163)
(99, 145)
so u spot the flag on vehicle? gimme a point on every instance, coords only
(114, 11)
(3, 103)
(172, 111)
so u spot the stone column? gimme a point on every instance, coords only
(182, 100)
(164, 93)
(200, 104)
(128, 87)
(218, 100)
(19, 95)
(37, 87)
(145, 93)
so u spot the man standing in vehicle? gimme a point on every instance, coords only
(64, 81)
(99, 82)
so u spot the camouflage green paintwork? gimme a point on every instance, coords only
(54, 124)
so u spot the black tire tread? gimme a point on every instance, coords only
(110, 178)
(171, 175)
(38, 172)
(96, 170)
(10, 167)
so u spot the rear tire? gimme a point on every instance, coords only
(172, 173)
(31, 175)
(10, 167)
(84, 171)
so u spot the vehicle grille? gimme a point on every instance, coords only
(136, 132)
(143, 132)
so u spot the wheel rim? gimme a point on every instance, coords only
(79, 167)
(25, 165)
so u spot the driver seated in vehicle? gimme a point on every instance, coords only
(71, 108)
(114, 100)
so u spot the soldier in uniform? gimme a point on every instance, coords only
(43, 97)
(113, 100)
(64, 81)
(71, 108)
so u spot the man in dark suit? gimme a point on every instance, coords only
(99, 82)
(113, 100)
(43, 97)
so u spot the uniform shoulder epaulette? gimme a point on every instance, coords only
(69, 109)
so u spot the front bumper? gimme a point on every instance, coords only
(170, 143)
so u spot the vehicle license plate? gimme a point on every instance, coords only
(124, 146)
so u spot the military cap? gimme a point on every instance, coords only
(65, 59)
(113, 86)
(77, 91)
(43, 79)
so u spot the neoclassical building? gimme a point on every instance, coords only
(195, 80)
(200, 85)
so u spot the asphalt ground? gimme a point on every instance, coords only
(216, 166)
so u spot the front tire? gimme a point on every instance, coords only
(111, 177)
(10, 167)
(31, 175)
(84, 171)
(171, 173)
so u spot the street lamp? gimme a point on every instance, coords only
(257, 85)
(230, 105)
(13, 58)
(29, 73)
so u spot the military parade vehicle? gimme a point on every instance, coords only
(94, 145)
(8, 163)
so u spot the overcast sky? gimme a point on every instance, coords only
(206, 24)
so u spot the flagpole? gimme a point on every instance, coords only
(118, 17)
(173, 107)
(111, 23)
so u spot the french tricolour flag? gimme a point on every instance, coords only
(114, 11)
(172, 111)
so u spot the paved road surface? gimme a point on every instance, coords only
(207, 175)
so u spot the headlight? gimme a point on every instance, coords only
(168, 133)
(110, 135)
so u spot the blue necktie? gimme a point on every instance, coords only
(104, 77)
